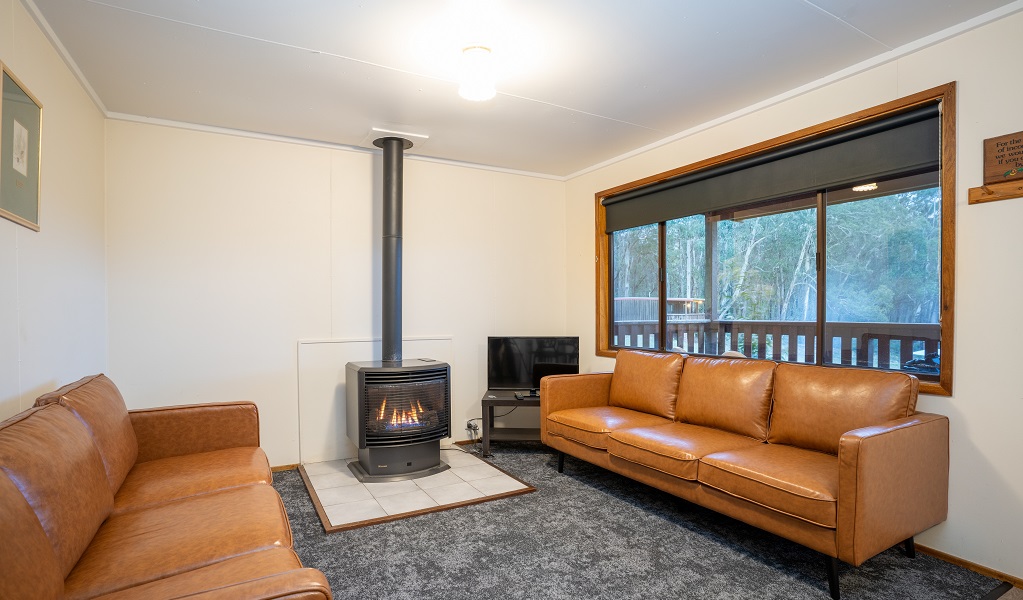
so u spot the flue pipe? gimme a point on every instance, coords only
(393, 148)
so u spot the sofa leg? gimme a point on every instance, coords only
(909, 548)
(561, 461)
(832, 566)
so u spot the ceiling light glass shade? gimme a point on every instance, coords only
(477, 82)
(867, 187)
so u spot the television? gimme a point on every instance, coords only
(518, 363)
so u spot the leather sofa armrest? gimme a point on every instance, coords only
(893, 484)
(299, 584)
(560, 392)
(190, 429)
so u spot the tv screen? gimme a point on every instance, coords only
(518, 363)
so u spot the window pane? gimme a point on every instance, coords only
(884, 276)
(635, 288)
(686, 263)
(766, 301)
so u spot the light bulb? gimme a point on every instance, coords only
(477, 82)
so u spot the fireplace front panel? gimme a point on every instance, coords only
(398, 405)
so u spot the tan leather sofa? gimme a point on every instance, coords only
(100, 502)
(834, 459)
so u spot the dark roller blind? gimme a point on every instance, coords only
(901, 143)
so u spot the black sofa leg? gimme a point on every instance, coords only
(910, 548)
(561, 462)
(832, 566)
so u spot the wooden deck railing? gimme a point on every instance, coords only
(647, 309)
(878, 345)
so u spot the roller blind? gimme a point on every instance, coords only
(901, 143)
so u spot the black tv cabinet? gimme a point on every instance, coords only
(506, 398)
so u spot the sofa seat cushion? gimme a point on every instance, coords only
(797, 482)
(224, 573)
(673, 448)
(590, 426)
(167, 479)
(141, 546)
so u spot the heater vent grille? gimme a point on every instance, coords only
(383, 377)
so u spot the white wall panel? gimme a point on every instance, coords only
(218, 265)
(53, 282)
(224, 252)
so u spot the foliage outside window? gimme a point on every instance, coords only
(832, 276)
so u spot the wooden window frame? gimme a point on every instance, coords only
(945, 94)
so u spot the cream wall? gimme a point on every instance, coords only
(986, 489)
(224, 252)
(52, 283)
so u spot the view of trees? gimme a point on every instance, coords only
(635, 262)
(884, 258)
(883, 261)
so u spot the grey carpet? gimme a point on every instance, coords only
(589, 533)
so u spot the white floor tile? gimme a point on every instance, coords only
(442, 478)
(457, 458)
(456, 492)
(343, 495)
(475, 472)
(353, 512)
(322, 481)
(500, 484)
(332, 466)
(406, 502)
(390, 488)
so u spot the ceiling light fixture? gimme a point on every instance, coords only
(867, 187)
(477, 83)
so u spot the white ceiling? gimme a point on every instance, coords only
(580, 81)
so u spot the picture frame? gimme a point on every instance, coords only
(21, 116)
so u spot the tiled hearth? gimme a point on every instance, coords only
(344, 502)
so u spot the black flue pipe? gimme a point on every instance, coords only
(393, 148)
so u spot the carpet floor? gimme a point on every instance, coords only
(589, 533)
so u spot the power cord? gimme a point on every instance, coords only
(472, 428)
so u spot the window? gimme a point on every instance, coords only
(883, 280)
(832, 246)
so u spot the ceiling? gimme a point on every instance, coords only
(579, 82)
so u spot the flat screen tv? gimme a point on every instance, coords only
(518, 363)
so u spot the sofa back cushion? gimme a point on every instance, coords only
(728, 394)
(50, 456)
(96, 401)
(814, 406)
(646, 381)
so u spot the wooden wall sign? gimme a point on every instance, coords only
(1003, 158)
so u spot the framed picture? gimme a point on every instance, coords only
(21, 118)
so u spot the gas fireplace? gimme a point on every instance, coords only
(398, 409)
(402, 412)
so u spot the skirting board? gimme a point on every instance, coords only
(955, 560)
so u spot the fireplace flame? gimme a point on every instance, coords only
(402, 417)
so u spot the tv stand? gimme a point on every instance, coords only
(512, 399)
